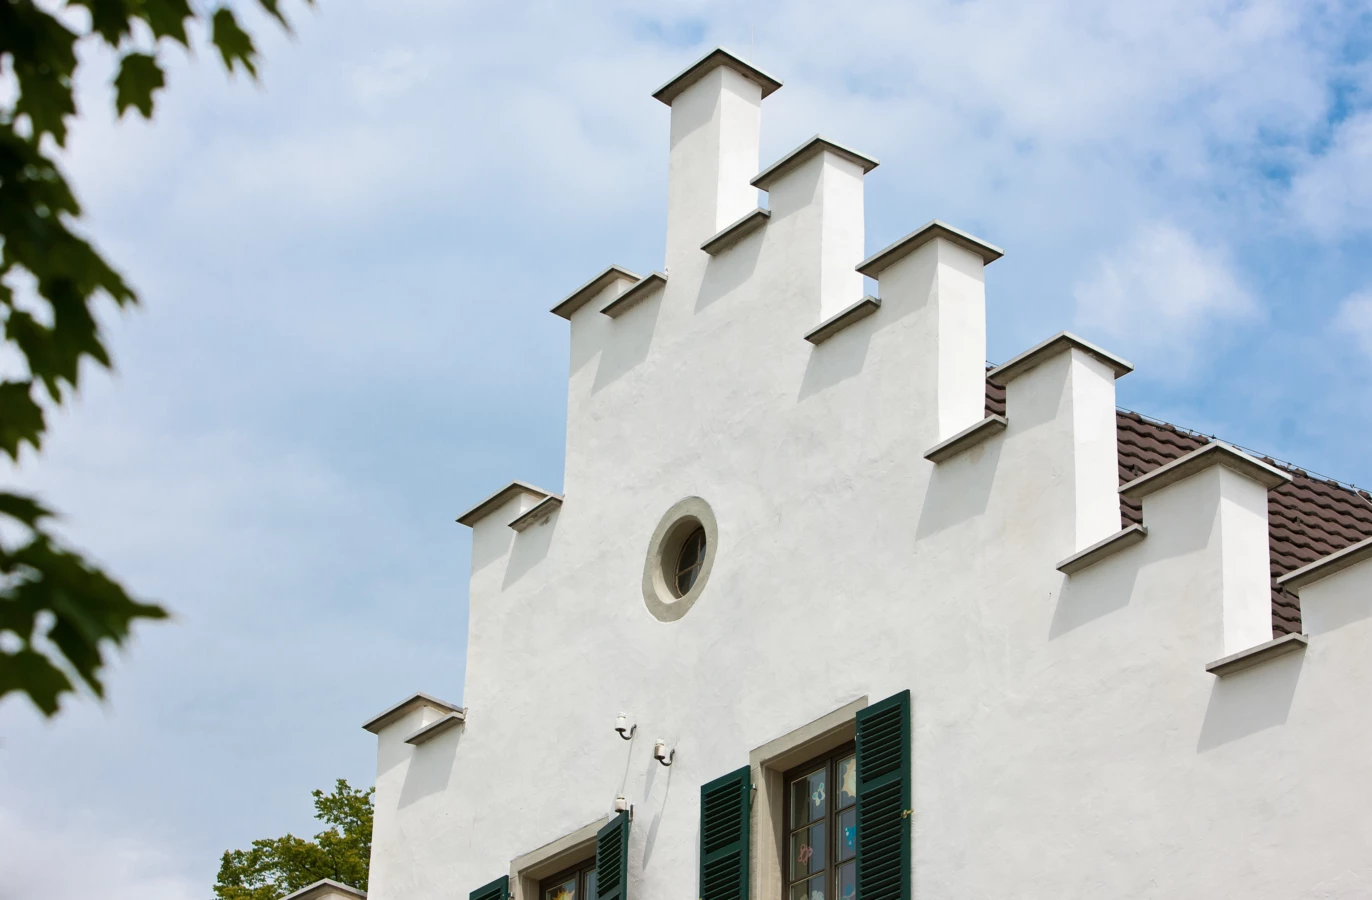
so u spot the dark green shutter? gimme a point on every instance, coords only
(724, 813)
(883, 800)
(496, 890)
(612, 859)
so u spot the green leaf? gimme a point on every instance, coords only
(234, 44)
(110, 18)
(21, 418)
(32, 674)
(23, 509)
(167, 19)
(139, 76)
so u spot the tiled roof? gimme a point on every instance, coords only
(1308, 518)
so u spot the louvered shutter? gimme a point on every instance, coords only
(612, 859)
(496, 890)
(883, 800)
(724, 813)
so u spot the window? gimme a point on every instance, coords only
(821, 819)
(689, 561)
(576, 883)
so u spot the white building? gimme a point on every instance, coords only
(797, 517)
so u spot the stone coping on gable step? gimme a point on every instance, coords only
(1216, 453)
(584, 294)
(966, 438)
(841, 320)
(884, 258)
(1326, 566)
(537, 513)
(733, 233)
(1042, 352)
(646, 285)
(1237, 662)
(499, 499)
(707, 64)
(769, 176)
(1120, 540)
(436, 727)
(415, 701)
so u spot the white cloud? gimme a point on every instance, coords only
(1355, 319)
(1334, 193)
(1163, 296)
(85, 858)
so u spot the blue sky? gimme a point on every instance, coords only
(345, 340)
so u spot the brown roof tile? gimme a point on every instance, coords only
(1308, 518)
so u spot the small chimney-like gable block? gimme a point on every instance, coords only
(934, 278)
(716, 125)
(1082, 378)
(816, 197)
(1226, 487)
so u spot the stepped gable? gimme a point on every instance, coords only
(1308, 518)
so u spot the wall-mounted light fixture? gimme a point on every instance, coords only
(661, 754)
(625, 730)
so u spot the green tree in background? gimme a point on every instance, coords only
(275, 867)
(58, 610)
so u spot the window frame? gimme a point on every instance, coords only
(695, 566)
(829, 759)
(578, 870)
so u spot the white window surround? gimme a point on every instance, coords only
(769, 764)
(528, 870)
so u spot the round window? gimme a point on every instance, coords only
(680, 556)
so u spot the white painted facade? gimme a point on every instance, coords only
(1068, 740)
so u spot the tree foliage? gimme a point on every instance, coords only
(276, 867)
(57, 609)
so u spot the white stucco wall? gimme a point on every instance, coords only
(1068, 741)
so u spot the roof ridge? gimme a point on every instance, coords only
(1362, 493)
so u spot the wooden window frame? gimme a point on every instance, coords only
(829, 759)
(578, 870)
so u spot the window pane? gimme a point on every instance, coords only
(847, 881)
(847, 782)
(845, 836)
(590, 884)
(818, 799)
(802, 804)
(808, 890)
(807, 851)
(564, 891)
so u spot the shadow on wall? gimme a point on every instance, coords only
(650, 840)
(530, 547)
(727, 271)
(1094, 592)
(431, 764)
(628, 340)
(1250, 701)
(489, 545)
(836, 360)
(959, 488)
